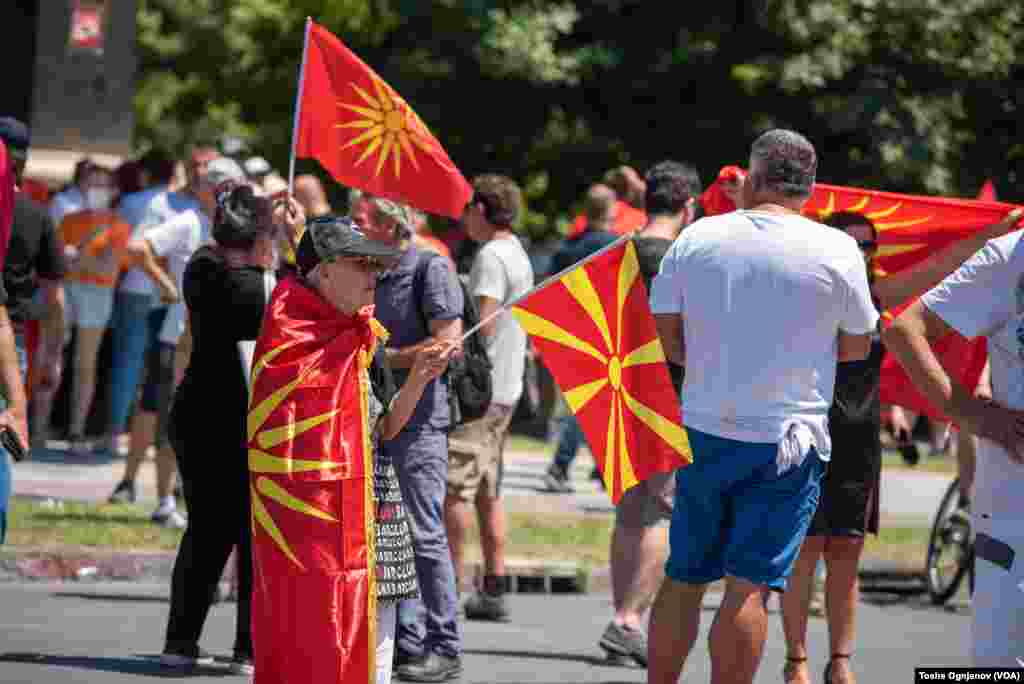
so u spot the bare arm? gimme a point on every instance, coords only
(440, 331)
(908, 339)
(16, 414)
(896, 288)
(141, 253)
(670, 331)
(487, 306)
(854, 347)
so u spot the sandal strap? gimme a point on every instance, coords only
(837, 656)
(791, 659)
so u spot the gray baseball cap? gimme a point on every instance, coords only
(224, 169)
(329, 237)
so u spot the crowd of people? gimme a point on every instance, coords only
(785, 473)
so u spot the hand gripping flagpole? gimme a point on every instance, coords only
(550, 280)
(298, 106)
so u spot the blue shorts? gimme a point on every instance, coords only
(735, 515)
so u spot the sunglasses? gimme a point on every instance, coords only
(868, 245)
(367, 264)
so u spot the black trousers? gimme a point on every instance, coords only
(215, 480)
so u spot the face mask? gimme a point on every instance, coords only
(98, 198)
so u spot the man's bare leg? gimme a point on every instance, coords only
(738, 633)
(143, 430)
(166, 468)
(842, 558)
(457, 521)
(675, 624)
(637, 569)
(796, 603)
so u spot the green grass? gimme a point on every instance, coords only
(32, 524)
(582, 538)
(945, 465)
(524, 443)
(904, 545)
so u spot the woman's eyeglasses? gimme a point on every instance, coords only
(367, 264)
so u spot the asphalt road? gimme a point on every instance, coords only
(111, 634)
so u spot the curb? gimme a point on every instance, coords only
(526, 576)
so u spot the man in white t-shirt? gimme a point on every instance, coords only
(984, 297)
(500, 273)
(758, 305)
(174, 240)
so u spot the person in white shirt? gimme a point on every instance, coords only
(138, 314)
(758, 305)
(174, 240)
(501, 272)
(72, 198)
(985, 297)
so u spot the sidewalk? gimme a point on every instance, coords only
(909, 498)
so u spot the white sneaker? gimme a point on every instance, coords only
(169, 518)
(186, 659)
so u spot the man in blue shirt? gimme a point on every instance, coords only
(599, 210)
(420, 302)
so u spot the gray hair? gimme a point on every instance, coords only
(787, 163)
(401, 214)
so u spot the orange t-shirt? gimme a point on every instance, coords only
(627, 219)
(100, 238)
(432, 244)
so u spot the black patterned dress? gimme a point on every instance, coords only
(396, 570)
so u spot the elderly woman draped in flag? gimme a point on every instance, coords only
(321, 398)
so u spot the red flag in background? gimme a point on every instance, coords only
(910, 228)
(987, 192)
(595, 332)
(366, 135)
(627, 219)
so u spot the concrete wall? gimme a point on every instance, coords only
(82, 101)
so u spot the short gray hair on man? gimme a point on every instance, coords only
(786, 161)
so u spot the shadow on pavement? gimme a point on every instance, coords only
(124, 598)
(535, 655)
(50, 454)
(141, 665)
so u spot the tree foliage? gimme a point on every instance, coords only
(912, 95)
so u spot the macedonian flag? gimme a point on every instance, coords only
(910, 228)
(311, 477)
(366, 135)
(594, 330)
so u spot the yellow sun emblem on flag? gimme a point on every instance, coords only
(621, 397)
(263, 463)
(860, 205)
(390, 128)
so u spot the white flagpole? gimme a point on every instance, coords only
(550, 280)
(298, 106)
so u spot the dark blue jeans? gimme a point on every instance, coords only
(5, 458)
(421, 460)
(132, 337)
(569, 442)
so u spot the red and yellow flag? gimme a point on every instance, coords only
(311, 478)
(595, 332)
(910, 227)
(367, 136)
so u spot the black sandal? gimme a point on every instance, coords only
(787, 670)
(828, 668)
